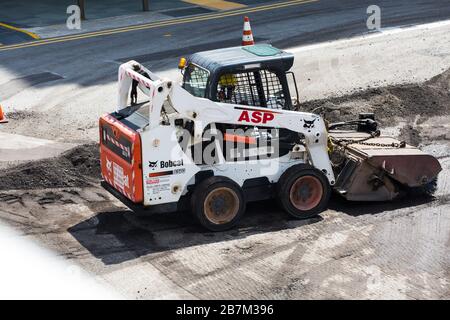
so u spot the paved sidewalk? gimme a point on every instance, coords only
(47, 18)
(31, 14)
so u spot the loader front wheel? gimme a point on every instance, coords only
(218, 203)
(303, 191)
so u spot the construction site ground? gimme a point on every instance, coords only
(50, 191)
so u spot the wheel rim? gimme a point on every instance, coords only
(221, 205)
(306, 193)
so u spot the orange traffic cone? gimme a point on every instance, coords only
(247, 35)
(2, 116)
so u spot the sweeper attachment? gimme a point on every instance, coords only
(230, 134)
(373, 167)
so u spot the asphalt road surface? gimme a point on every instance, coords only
(285, 24)
(56, 91)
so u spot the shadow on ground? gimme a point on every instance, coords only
(357, 208)
(120, 235)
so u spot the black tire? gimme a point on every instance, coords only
(218, 203)
(313, 184)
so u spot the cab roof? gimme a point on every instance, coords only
(247, 57)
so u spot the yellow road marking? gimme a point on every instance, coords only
(217, 4)
(152, 25)
(31, 34)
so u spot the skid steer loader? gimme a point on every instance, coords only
(231, 134)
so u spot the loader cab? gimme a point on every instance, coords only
(254, 75)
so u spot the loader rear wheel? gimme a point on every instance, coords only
(218, 203)
(303, 191)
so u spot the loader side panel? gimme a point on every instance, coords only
(121, 158)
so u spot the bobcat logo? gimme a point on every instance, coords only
(309, 123)
(152, 164)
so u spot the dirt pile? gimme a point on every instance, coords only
(390, 103)
(78, 167)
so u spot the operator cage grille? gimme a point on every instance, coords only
(260, 88)
(196, 80)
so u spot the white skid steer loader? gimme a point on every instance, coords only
(229, 135)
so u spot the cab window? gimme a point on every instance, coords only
(195, 80)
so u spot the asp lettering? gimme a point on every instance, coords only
(256, 116)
